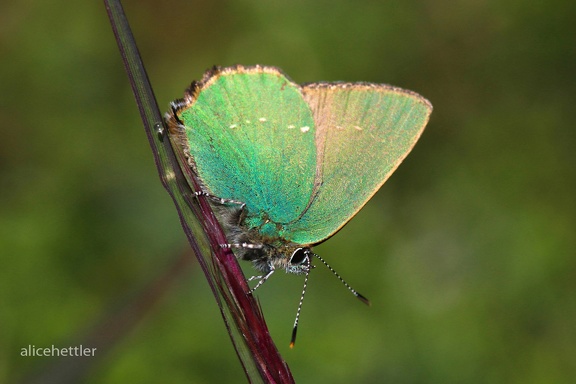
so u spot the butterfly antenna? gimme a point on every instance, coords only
(295, 329)
(354, 292)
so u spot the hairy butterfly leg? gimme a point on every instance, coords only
(262, 278)
(219, 200)
(223, 202)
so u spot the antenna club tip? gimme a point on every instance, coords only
(293, 340)
(363, 299)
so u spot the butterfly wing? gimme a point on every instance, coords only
(251, 137)
(363, 132)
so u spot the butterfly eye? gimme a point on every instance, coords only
(299, 257)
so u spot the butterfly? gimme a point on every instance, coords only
(286, 166)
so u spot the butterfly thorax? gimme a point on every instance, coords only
(256, 243)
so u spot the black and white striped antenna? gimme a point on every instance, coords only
(354, 292)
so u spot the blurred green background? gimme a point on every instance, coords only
(467, 253)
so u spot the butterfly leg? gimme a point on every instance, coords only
(262, 278)
(242, 245)
(220, 200)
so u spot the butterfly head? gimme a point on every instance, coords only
(300, 261)
(292, 258)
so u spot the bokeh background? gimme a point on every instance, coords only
(467, 253)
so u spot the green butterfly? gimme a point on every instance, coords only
(286, 165)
